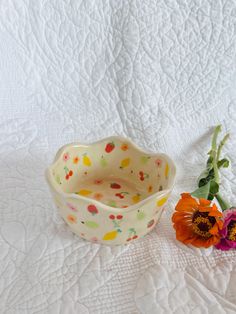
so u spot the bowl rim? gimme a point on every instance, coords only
(52, 184)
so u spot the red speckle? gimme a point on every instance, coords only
(124, 206)
(141, 175)
(151, 223)
(135, 237)
(70, 173)
(158, 162)
(112, 217)
(119, 216)
(72, 207)
(98, 181)
(128, 239)
(67, 177)
(115, 186)
(109, 147)
(92, 209)
(119, 195)
(66, 156)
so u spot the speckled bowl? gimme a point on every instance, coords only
(110, 191)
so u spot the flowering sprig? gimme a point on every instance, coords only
(209, 180)
(197, 220)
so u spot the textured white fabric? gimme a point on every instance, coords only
(160, 72)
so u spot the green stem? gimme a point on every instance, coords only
(214, 138)
(222, 143)
(214, 152)
(211, 174)
(223, 203)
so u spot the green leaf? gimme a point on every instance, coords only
(214, 189)
(203, 175)
(223, 163)
(205, 180)
(202, 192)
(207, 191)
(210, 162)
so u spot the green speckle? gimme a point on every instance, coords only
(144, 159)
(112, 203)
(91, 224)
(103, 162)
(58, 179)
(140, 215)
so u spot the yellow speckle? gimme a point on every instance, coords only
(84, 192)
(86, 161)
(149, 189)
(110, 235)
(125, 163)
(162, 201)
(166, 170)
(136, 198)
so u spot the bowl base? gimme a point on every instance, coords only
(114, 192)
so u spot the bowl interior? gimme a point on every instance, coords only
(112, 171)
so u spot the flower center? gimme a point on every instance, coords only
(232, 231)
(202, 223)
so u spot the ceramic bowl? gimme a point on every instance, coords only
(110, 191)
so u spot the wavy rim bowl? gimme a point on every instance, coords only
(52, 184)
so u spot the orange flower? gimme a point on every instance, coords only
(124, 147)
(76, 160)
(72, 219)
(197, 222)
(97, 196)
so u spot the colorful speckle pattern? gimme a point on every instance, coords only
(119, 178)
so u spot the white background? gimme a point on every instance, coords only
(160, 72)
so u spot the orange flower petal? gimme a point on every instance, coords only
(197, 242)
(184, 237)
(214, 230)
(186, 203)
(186, 195)
(203, 209)
(184, 232)
(213, 240)
(204, 202)
(214, 212)
(181, 216)
(220, 223)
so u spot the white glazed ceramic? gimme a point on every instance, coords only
(110, 191)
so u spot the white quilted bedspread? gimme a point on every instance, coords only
(160, 72)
